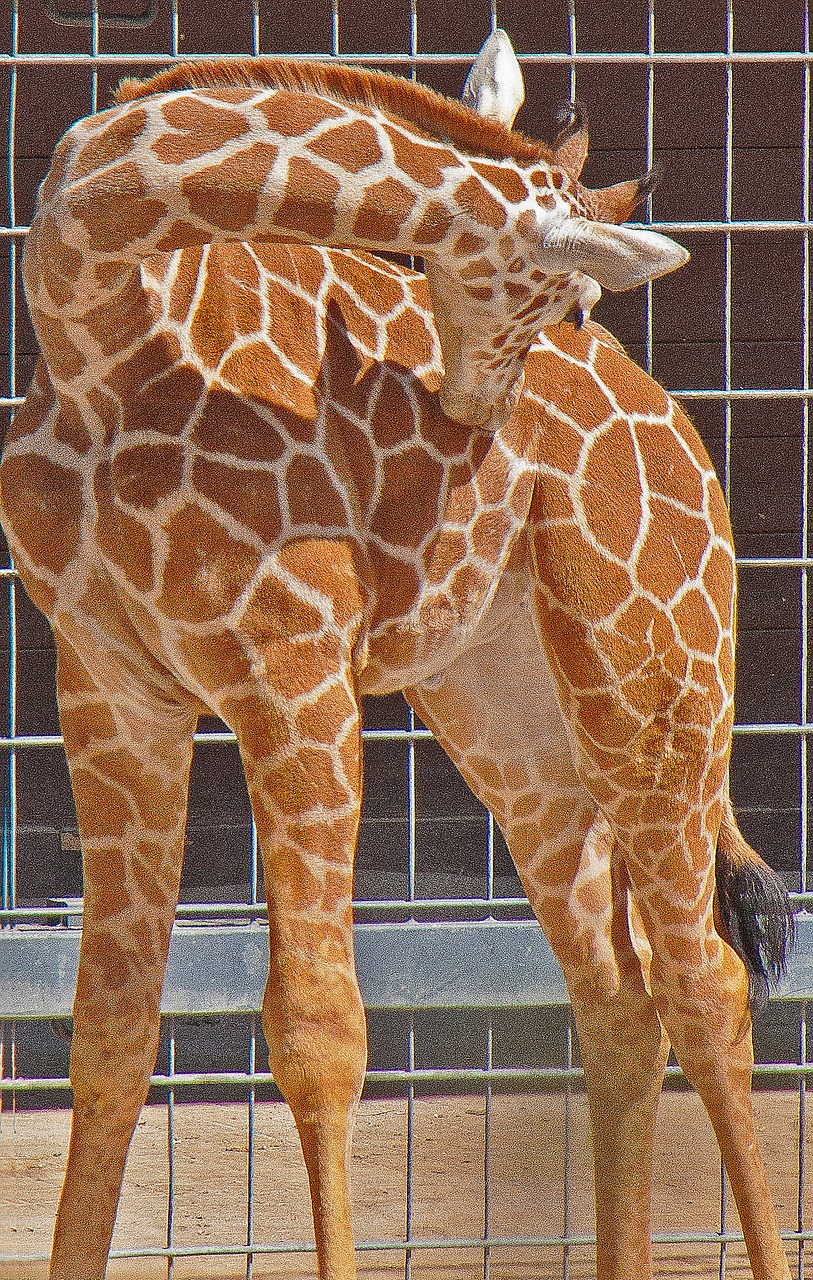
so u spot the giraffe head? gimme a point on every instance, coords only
(560, 247)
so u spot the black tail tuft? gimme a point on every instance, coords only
(757, 914)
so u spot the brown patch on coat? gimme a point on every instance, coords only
(309, 204)
(384, 211)
(226, 194)
(352, 146)
(142, 474)
(196, 128)
(116, 208)
(205, 569)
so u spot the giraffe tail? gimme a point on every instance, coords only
(754, 908)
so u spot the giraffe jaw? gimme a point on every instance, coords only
(482, 410)
(499, 413)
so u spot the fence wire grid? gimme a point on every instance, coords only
(719, 94)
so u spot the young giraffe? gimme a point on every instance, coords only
(253, 506)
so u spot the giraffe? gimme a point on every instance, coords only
(243, 497)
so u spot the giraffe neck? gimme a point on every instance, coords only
(510, 239)
(260, 163)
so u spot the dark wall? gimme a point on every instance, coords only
(696, 344)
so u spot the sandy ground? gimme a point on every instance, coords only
(527, 1155)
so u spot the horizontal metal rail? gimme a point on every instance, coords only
(732, 395)
(198, 912)
(412, 1245)
(47, 741)
(645, 58)
(673, 228)
(458, 1079)
(491, 964)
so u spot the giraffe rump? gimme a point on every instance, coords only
(755, 910)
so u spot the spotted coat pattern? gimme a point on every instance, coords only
(268, 151)
(231, 489)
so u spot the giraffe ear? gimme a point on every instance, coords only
(616, 203)
(494, 87)
(617, 257)
(569, 150)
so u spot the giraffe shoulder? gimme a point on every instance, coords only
(607, 339)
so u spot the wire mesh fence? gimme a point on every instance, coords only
(718, 94)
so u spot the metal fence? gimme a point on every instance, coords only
(462, 992)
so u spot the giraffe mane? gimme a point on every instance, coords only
(430, 112)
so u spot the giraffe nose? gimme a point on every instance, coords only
(587, 295)
(576, 316)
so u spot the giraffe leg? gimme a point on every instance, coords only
(302, 760)
(701, 990)
(129, 748)
(624, 1050)
(497, 715)
(645, 672)
(663, 788)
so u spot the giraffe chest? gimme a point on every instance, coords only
(425, 609)
(402, 560)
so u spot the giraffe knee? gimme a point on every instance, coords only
(317, 1041)
(111, 1066)
(706, 1011)
(587, 959)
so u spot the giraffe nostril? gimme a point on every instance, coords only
(576, 316)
